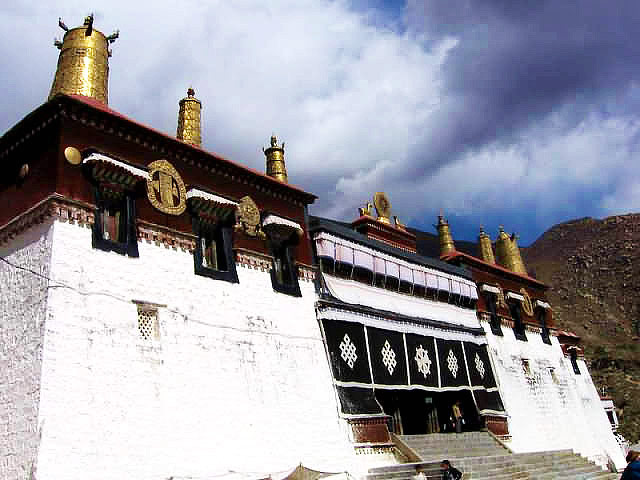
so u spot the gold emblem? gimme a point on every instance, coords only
(165, 188)
(527, 306)
(73, 155)
(249, 218)
(383, 206)
(500, 298)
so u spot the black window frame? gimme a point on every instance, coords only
(573, 358)
(519, 329)
(541, 316)
(223, 232)
(494, 319)
(282, 243)
(125, 202)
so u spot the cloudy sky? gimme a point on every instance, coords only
(496, 111)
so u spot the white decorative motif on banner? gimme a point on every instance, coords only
(452, 363)
(388, 357)
(348, 350)
(479, 365)
(423, 361)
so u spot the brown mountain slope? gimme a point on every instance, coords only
(593, 268)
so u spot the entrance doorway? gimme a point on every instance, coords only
(417, 412)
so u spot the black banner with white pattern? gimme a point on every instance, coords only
(388, 362)
(423, 367)
(453, 369)
(363, 358)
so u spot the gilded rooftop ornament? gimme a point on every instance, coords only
(383, 207)
(189, 115)
(444, 236)
(276, 167)
(248, 218)
(83, 63)
(366, 210)
(486, 249)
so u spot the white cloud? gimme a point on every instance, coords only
(351, 99)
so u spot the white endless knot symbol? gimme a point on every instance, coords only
(452, 363)
(480, 366)
(423, 361)
(388, 357)
(348, 350)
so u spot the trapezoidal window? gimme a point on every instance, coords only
(573, 356)
(282, 240)
(114, 228)
(518, 324)
(213, 256)
(494, 319)
(541, 314)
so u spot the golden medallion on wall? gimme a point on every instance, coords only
(527, 306)
(248, 217)
(165, 188)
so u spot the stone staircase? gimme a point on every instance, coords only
(481, 457)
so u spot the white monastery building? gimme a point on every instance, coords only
(170, 314)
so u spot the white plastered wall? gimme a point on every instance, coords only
(547, 414)
(237, 380)
(23, 286)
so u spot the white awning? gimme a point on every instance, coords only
(515, 296)
(272, 219)
(197, 193)
(98, 157)
(352, 253)
(540, 303)
(489, 288)
(357, 293)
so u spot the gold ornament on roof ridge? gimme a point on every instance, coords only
(165, 188)
(486, 249)
(367, 210)
(444, 236)
(276, 167)
(527, 306)
(189, 119)
(383, 207)
(83, 63)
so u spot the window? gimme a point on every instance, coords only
(518, 325)
(148, 321)
(541, 314)
(114, 228)
(573, 356)
(526, 367)
(284, 273)
(213, 256)
(494, 321)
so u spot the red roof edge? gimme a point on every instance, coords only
(455, 254)
(97, 105)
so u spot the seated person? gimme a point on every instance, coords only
(448, 472)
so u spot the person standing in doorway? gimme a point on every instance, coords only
(457, 416)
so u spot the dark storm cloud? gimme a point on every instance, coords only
(518, 61)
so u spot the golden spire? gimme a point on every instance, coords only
(189, 119)
(508, 253)
(516, 257)
(383, 207)
(486, 249)
(503, 244)
(444, 234)
(83, 64)
(275, 160)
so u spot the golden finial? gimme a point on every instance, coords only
(276, 167)
(83, 63)
(383, 207)
(508, 253)
(486, 249)
(444, 235)
(398, 223)
(189, 114)
(366, 210)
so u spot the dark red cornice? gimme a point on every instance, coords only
(461, 257)
(95, 114)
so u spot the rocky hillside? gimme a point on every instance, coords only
(593, 268)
